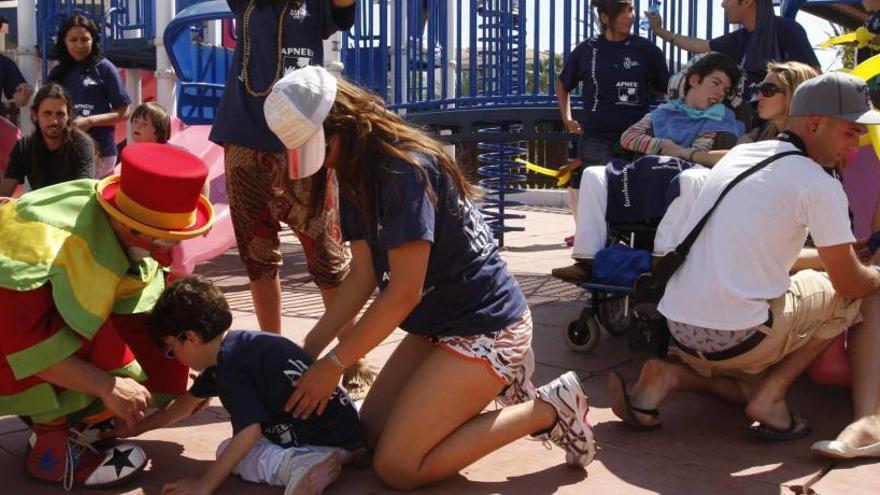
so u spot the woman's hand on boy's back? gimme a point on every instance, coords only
(314, 389)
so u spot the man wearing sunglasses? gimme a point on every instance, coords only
(81, 263)
(764, 37)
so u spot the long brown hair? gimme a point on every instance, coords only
(370, 132)
(790, 75)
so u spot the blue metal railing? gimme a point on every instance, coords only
(497, 52)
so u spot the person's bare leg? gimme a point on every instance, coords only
(393, 377)
(435, 428)
(863, 347)
(657, 379)
(267, 303)
(768, 405)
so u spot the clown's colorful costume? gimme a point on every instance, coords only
(68, 288)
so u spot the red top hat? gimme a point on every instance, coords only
(158, 192)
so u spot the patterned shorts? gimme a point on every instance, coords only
(261, 196)
(506, 353)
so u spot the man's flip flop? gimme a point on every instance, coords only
(619, 397)
(839, 450)
(766, 432)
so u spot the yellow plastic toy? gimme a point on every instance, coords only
(861, 37)
(561, 178)
(868, 70)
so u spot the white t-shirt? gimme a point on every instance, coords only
(742, 257)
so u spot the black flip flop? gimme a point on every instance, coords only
(766, 432)
(617, 389)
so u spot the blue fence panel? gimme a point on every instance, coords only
(497, 52)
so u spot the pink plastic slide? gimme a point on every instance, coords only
(9, 135)
(221, 236)
(861, 181)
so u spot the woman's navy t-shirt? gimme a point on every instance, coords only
(256, 373)
(240, 120)
(468, 289)
(618, 78)
(791, 44)
(95, 90)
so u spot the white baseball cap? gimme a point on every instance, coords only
(295, 110)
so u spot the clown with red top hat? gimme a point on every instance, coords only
(80, 267)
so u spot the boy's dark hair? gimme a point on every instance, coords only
(710, 63)
(157, 116)
(190, 303)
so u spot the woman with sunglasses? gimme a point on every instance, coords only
(774, 96)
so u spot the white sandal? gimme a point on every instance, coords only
(839, 450)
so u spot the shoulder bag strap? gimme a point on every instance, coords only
(685, 245)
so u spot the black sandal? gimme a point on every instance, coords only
(766, 432)
(617, 389)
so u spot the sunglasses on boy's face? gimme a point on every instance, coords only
(168, 351)
(767, 89)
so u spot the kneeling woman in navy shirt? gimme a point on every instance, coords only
(94, 83)
(415, 233)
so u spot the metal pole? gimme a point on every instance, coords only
(166, 80)
(27, 52)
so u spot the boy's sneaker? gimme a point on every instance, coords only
(57, 456)
(522, 389)
(572, 431)
(309, 473)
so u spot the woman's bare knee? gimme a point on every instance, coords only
(396, 469)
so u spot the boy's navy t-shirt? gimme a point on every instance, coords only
(618, 77)
(95, 90)
(468, 289)
(255, 374)
(240, 120)
(10, 76)
(792, 45)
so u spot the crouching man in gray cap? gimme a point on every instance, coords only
(743, 328)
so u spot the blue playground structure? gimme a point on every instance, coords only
(475, 71)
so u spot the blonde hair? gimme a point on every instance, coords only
(790, 75)
(368, 131)
(157, 116)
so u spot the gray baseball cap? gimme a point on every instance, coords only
(835, 94)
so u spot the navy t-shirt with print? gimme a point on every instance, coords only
(95, 90)
(468, 289)
(10, 76)
(240, 120)
(792, 45)
(255, 374)
(618, 77)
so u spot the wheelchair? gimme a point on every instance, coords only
(608, 306)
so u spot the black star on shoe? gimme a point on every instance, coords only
(119, 460)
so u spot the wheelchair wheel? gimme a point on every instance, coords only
(612, 315)
(582, 334)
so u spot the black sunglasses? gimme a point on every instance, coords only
(767, 89)
(168, 351)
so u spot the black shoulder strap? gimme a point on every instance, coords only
(685, 245)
